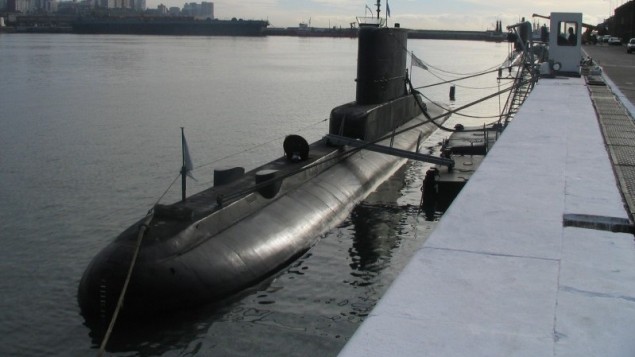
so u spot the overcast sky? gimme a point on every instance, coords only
(416, 14)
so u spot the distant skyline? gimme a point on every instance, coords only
(417, 14)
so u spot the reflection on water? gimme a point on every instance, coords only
(373, 243)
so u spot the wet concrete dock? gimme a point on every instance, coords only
(532, 258)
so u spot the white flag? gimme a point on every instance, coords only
(187, 160)
(417, 62)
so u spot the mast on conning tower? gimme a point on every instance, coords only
(371, 21)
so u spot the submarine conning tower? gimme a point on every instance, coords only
(382, 101)
(381, 64)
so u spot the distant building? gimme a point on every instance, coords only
(46, 6)
(67, 7)
(29, 6)
(135, 5)
(203, 10)
(190, 9)
(207, 10)
(138, 5)
(624, 21)
(174, 11)
(22, 6)
(117, 4)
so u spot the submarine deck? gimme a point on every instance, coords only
(531, 259)
(205, 201)
(183, 213)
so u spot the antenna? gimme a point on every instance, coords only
(371, 21)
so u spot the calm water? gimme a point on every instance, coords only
(90, 139)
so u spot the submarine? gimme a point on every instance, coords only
(250, 225)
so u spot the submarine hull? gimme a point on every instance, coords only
(200, 265)
(249, 226)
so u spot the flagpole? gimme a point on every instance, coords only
(183, 168)
(387, 11)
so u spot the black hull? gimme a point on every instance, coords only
(245, 229)
(191, 263)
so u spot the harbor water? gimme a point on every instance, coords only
(90, 140)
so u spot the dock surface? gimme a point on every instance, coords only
(532, 258)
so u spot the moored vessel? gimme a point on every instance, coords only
(250, 225)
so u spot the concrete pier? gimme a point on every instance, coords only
(531, 259)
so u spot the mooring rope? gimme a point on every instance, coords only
(142, 229)
(461, 114)
(495, 67)
(414, 91)
(454, 80)
(113, 320)
(411, 53)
